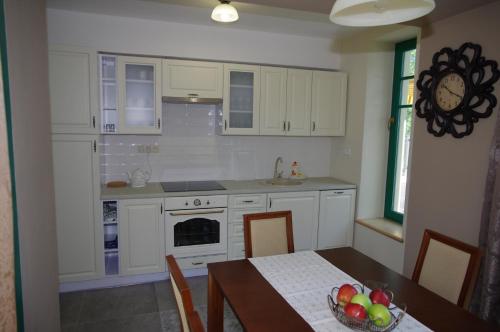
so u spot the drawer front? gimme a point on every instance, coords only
(236, 249)
(199, 261)
(247, 201)
(235, 229)
(237, 215)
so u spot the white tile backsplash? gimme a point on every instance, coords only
(190, 149)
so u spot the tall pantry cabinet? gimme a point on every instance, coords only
(75, 149)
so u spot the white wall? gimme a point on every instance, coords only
(191, 150)
(448, 175)
(28, 78)
(130, 35)
(361, 156)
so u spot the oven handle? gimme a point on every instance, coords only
(190, 213)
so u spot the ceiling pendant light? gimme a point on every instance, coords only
(225, 12)
(366, 13)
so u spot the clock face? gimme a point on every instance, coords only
(450, 91)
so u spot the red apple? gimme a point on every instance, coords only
(345, 294)
(355, 310)
(379, 296)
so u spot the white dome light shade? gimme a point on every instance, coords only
(225, 13)
(366, 13)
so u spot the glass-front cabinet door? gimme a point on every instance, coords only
(140, 95)
(241, 100)
(130, 95)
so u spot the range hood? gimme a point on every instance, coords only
(191, 100)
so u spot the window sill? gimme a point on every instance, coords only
(385, 227)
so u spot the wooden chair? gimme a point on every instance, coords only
(447, 267)
(268, 233)
(182, 296)
(194, 322)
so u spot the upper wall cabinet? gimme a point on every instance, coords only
(130, 95)
(329, 90)
(298, 104)
(241, 100)
(73, 90)
(192, 79)
(273, 101)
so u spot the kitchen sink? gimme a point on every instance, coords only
(283, 182)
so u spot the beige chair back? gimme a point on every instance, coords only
(447, 267)
(182, 293)
(268, 233)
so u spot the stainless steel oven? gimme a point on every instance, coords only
(196, 226)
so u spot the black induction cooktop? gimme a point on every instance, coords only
(182, 186)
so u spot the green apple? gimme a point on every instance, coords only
(362, 299)
(379, 315)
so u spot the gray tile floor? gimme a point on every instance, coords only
(143, 308)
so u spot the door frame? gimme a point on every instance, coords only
(8, 117)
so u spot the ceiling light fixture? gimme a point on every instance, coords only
(225, 12)
(366, 13)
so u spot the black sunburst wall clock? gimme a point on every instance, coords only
(457, 90)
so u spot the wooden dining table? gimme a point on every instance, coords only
(259, 307)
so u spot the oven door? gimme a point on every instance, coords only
(196, 232)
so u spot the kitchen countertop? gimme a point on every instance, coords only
(233, 187)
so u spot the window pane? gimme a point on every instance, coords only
(409, 63)
(407, 90)
(405, 125)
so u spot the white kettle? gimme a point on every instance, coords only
(138, 178)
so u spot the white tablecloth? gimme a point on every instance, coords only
(304, 279)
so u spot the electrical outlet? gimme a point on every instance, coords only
(148, 148)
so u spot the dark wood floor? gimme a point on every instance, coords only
(144, 308)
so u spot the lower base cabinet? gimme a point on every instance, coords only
(336, 218)
(239, 205)
(304, 206)
(141, 236)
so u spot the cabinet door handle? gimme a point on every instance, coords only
(314, 125)
(197, 263)
(225, 125)
(192, 94)
(338, 192)
(248, 201)
(284, 125)
(95, 146)
(93, 121)
(270, 202)
(159, 123)
(161, 208)
(288, 125)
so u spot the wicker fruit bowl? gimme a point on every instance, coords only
(364, 324)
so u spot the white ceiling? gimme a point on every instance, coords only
(252, 16)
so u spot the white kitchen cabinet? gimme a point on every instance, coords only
(304, 206)
(239, 205)
(240, 109)
(76, 184)
(273, 83)
(298, 105)
(198, 79)
(329, 93)
(130, 95)
(336, 218)
(141, 236)
(73, 90)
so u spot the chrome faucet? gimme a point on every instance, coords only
(278, 162)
